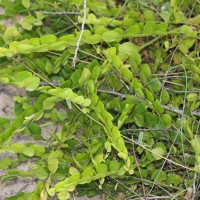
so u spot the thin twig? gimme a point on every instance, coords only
(136, 162)
(128, 188)
(123, 82)
(58, 13)
(196, 113)
(81, 34)
(170, 161)
(112, 92)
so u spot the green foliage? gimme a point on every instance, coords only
(130, 103)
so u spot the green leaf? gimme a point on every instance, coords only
(133, 30)
(161, 28)
(53, 164)
(64, 195)
(88, 172)
(145, 73)
(73, 170)
(94, 39)
(51, 192)
(26, 3)
(50, 102)
(149, 95)
(96, 72)
(86, 74)
(4, 163)
(4, 121)
(151, 119)
(114, 165)
(149, 15)
(41, 173)
(17, 148)
(158, 107)
(165, 98)
(149, 27)
(173, 179)
(127, 48)
(25, 48)
(191, 97)
(139, 93)
(41, 48)
(135, 60)
(35, 131)
(10, 35)
(31, 83)
(166, 120)
(139, 109)
(101, 169)
(197, 168)
(108, 147)
(158, 151)
(29, 151)
(76, 76)
(122, 155)
(39, 150)
(159, 176)
(20, 76)
(53, 161)
(48, 39)
(154, 85)
(110, 36)
(34, 41)
(58, 46)
(139, 120)
(28, 22)
(20, 196)
(5, 52)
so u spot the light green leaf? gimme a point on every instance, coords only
(58, 46)
(159, 176)
(50, 102)
(40, 173)
(151, 119)
(101, 169)
(165, 98)
(28, 22)
(149, 15)
(128, 48)
(158, 107)
(166, 120)
(110, 36)
(149, 27)
(10, 35)
(73, 170)
(31, 83)
(173, 179)
(94, 39)
(25, 48)
(39, 150)
(26, 3)
(53, 164)
(48, 39)
(29, 151)
(114, 166)
(158, 151)
(86, 74)
(4, 163)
